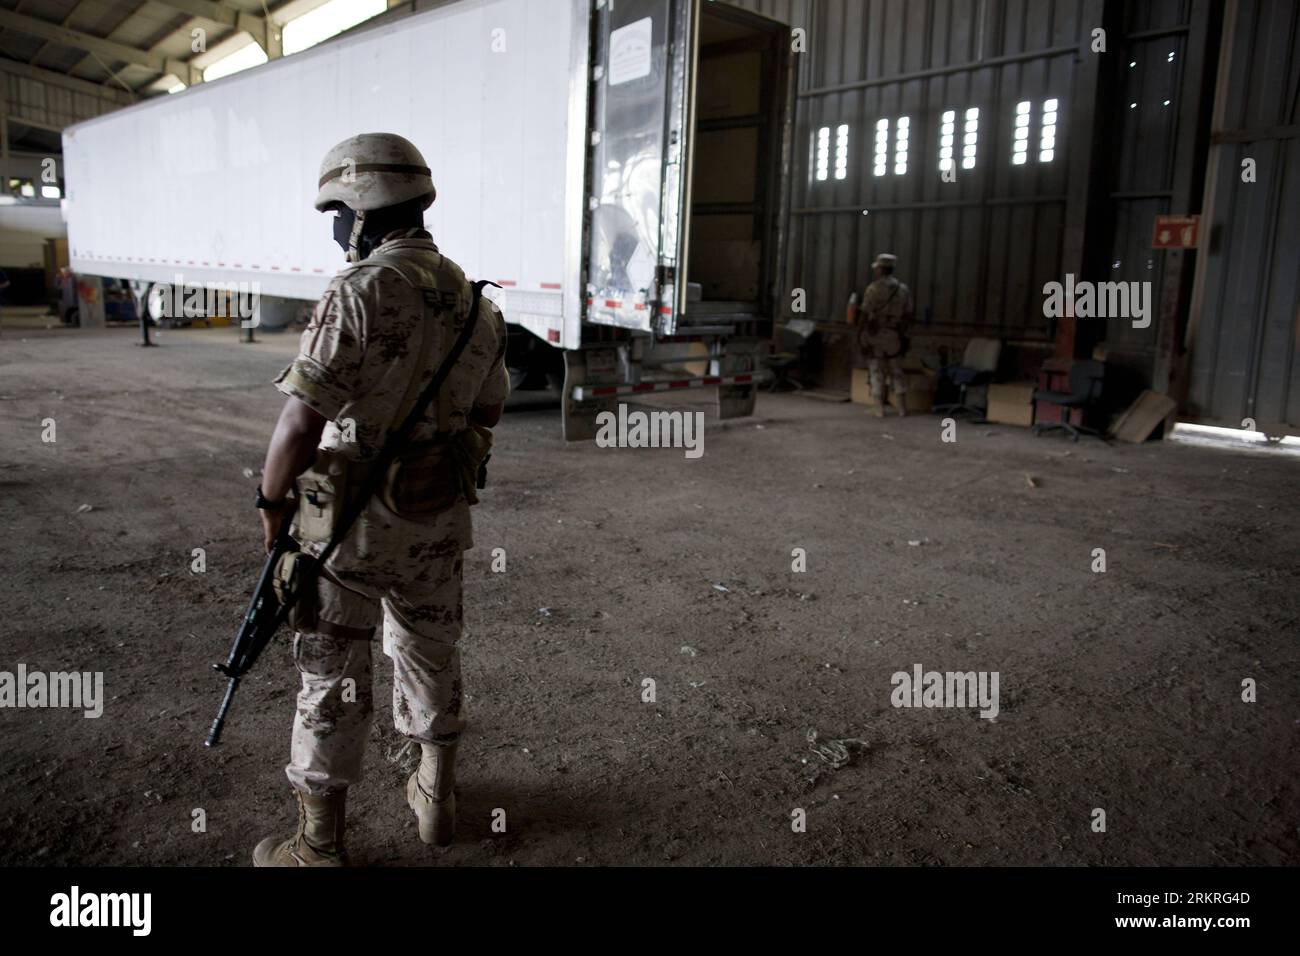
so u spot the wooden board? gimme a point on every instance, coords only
(824, 394)
(1143, 417)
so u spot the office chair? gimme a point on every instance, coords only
(1085, 378)
(789, 355)
(978, 364)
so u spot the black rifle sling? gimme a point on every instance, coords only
(393, 445)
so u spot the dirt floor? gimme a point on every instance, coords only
(1120, 690)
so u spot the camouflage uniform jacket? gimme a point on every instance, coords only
(889, 303)
(362, 349)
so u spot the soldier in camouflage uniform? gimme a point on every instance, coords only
(883, 321)
(375, 340)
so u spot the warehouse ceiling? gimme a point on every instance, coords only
(140, 46)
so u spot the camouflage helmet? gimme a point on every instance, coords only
(372, 171)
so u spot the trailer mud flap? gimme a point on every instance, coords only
(586, 367)
(738, 401)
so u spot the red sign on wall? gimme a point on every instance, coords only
(1176, 232)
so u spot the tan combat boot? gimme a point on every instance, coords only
(877, 394)
(877, 402)
(319, 840)
(898, 394)
(431, 793)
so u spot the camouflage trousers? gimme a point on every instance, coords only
(421, 620)
(877, 368)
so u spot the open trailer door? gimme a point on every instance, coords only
(641, 104)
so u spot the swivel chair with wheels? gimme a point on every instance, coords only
(978, 364)
(1086, 377)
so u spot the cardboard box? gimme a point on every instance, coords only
(1013, 393)
(919, 396)
(1011, 403)
(920, 390)
(919, 400)
(1144, 416)
(860, 387)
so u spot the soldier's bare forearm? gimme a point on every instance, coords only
(293, 445)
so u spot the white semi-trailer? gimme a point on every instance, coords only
(619, 168)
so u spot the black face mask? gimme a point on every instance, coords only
(378, 223)
(343, 221)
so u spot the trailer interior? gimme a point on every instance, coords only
(740, 109)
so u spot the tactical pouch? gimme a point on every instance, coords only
(322, 491)
(473, 448)
(291, 587)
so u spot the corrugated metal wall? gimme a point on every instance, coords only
(1130, 145)
(1153, 105)
(1245, 336)
(50, 106)
(977, 251)
(1144, 111)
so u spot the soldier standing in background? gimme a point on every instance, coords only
(377, 336)
(882, 322)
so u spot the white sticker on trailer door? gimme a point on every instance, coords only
(630, 52)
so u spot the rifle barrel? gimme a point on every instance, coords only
(214, 735)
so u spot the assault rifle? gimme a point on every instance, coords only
(263, 618)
